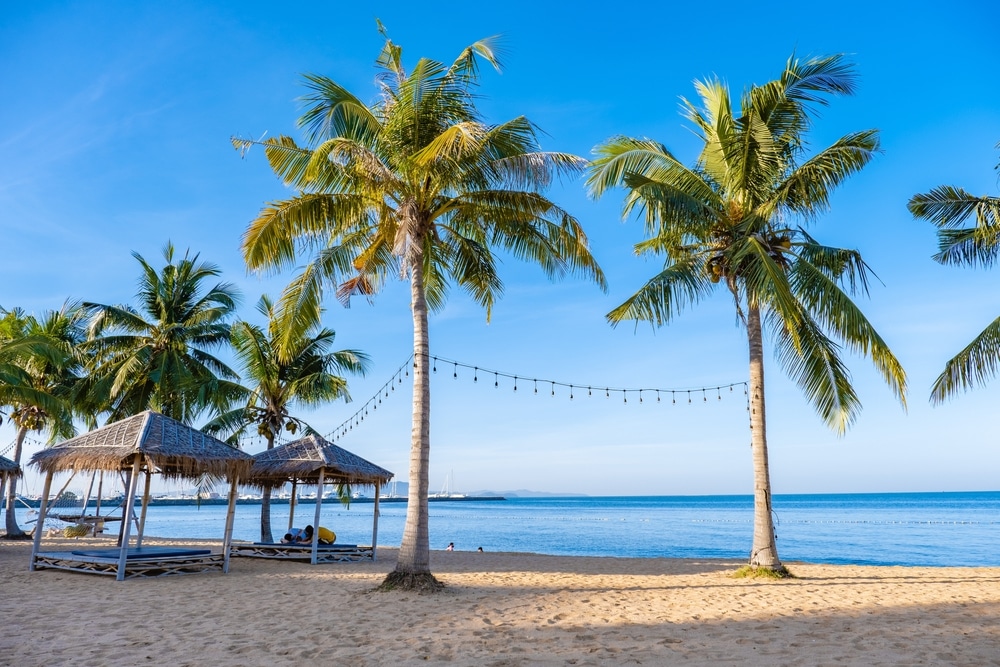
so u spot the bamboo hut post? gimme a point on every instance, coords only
(292, 503)
(227, 537)
(375, 523)
(3, 489)
(142, 512)
(90, 490)
(100, 490)
(319, 505)
(128, 512)
(127, 482)
(36, 543)
(86, 500)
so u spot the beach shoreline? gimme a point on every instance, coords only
(499, 609)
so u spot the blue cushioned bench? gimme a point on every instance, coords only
(143, 552)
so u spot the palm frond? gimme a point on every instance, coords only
(948, 208)
(664, 296)
(839, 314)
(270, 241)
(813, 361)
(330, 110)
(973, 366)
(807, 189)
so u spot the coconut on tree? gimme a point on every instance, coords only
(40, 370)
(736, 220)
(281, 372)
(416, 184)
(951, 209)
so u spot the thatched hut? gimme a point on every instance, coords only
(312, 460)
(8, 468)
(144, 443)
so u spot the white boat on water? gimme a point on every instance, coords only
(446, 491)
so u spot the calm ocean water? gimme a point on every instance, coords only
(878, 529)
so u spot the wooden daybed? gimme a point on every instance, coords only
(325, 553)
(139, 562)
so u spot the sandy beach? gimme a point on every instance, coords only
(500, 609)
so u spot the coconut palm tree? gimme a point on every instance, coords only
(418, 185)
(307, 373)
(948, 208)
(40, 367)
(157, 355)
(729, 221)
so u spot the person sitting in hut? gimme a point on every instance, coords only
(326, 536)
(294, 535)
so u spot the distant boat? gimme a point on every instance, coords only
(446, 491)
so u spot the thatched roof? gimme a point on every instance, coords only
(8, 467)
(166, 445)
(302, 460)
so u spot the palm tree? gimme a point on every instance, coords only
(39, 370)
(307, 373)
(417, 185)
(948, 208)
(727, 221)
(157, 356)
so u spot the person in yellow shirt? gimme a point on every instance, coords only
(326, 536)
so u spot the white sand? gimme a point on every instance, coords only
(500, 609)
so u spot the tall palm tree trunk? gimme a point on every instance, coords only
(13, 530)
(765, 550)
(265, 503)
(414, 552)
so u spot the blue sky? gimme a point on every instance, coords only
(114, 137)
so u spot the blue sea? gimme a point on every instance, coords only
(938, 529)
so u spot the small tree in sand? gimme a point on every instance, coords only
(415, 184)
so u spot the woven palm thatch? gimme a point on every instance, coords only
(165, 445)
(8, 468)
(302, 460)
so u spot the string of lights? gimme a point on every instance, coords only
(517, 382)
(375, 401)
(531, 384)
(28, 442)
